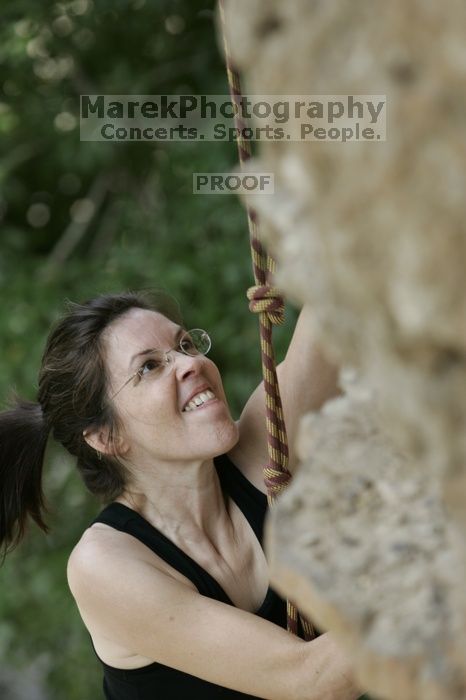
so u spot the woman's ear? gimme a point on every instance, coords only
(98, 439)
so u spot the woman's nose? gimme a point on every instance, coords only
(182, 360)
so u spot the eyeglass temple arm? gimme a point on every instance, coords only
(122, 387)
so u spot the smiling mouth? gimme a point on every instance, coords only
(208, 403)
(202, 399)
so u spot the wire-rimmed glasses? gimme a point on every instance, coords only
(194, 342)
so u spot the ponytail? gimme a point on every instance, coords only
(23, 439)
(73, 394)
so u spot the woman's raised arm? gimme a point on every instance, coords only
(307, 379)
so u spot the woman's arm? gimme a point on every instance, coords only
(332, 673)
(162, 619)
(306, 378)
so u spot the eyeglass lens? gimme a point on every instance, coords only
(195, 341)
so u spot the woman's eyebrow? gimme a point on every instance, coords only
(178, 335)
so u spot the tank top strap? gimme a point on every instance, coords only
(252, 502)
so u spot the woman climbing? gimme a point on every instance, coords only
(170, 578)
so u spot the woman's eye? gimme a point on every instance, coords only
(150, 365)
(188, 345)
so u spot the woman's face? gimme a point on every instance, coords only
(155, 426)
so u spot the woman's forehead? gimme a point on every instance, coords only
(138, 328)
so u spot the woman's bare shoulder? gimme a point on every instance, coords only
(99, 544)
(102, 547)
(103, 540)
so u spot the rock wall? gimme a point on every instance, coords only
(369, 539)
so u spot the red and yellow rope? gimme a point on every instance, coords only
(266, 301)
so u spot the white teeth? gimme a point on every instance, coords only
(199, 399)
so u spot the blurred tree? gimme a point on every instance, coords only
(81, 218)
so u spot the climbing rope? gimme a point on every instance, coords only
(267, 302)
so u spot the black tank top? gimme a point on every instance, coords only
(157, 681)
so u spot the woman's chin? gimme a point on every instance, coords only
(227, 437)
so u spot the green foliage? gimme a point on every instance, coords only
(147, 229)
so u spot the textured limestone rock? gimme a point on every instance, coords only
(373, 236)
(361, 544)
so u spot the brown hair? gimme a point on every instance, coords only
(72, 397)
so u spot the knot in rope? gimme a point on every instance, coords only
(264, 298)
(276, 480)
